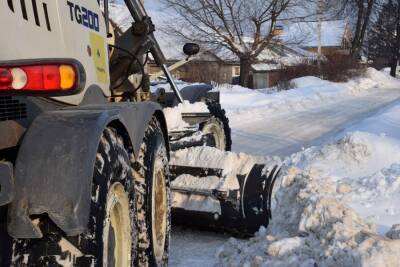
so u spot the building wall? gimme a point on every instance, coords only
(263, 80)
(201, 71)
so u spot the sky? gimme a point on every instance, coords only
(149, 4)
(152, 4)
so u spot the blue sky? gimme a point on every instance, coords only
(150, 4)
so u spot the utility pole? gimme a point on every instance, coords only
(321, 7)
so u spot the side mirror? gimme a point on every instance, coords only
(191, 49)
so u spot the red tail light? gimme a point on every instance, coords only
(46, 78)
(6, 78)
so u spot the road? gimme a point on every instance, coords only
(286, 133)
(277, 134)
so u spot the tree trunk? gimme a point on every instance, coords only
(367, 18)
(396, 53)
(393, 66)
(245, 69)
(356, 38)
(363, 19)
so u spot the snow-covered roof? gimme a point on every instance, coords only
(332, 33)
(266, 67)
(273, 54)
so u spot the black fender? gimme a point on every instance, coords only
(193, 93)
(54, 166)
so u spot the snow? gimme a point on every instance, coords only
(337, 203)
(309, 91)
(266, 67)
(207, 157)
(174, 118)
(338, 195)
(194, 248)
(311, 227)
(231, 163)
(337, 200)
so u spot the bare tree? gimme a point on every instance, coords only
(360, 12)
(244, 27)
(384, 37)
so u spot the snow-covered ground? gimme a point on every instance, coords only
(340, 190)
(283, 123)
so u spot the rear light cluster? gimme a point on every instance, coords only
(38, 78)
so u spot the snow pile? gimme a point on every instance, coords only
(356, 154)
(174, 118)
(366, 169)
(312, 92)
(387, 70)
(337, 205)
(311, 227)
(309, 92)
(370, 80)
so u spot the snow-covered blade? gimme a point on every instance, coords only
(223, 190)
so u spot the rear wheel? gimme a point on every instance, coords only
(111, 237)
(153, 193)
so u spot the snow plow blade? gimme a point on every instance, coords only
(240, 211)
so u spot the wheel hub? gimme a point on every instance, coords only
(216, 129)
(159, 211)
(117, 230)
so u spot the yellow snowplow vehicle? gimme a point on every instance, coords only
(85, 178)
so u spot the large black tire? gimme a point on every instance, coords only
(153, 198)
(113, 178)
(5, 239)
(219, 125)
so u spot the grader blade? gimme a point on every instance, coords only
(199, 200)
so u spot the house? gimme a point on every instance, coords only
(274, 60)
(205, 67)
(336, 36)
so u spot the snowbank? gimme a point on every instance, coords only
(337, 205)
(309, 92)
(311, 227)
